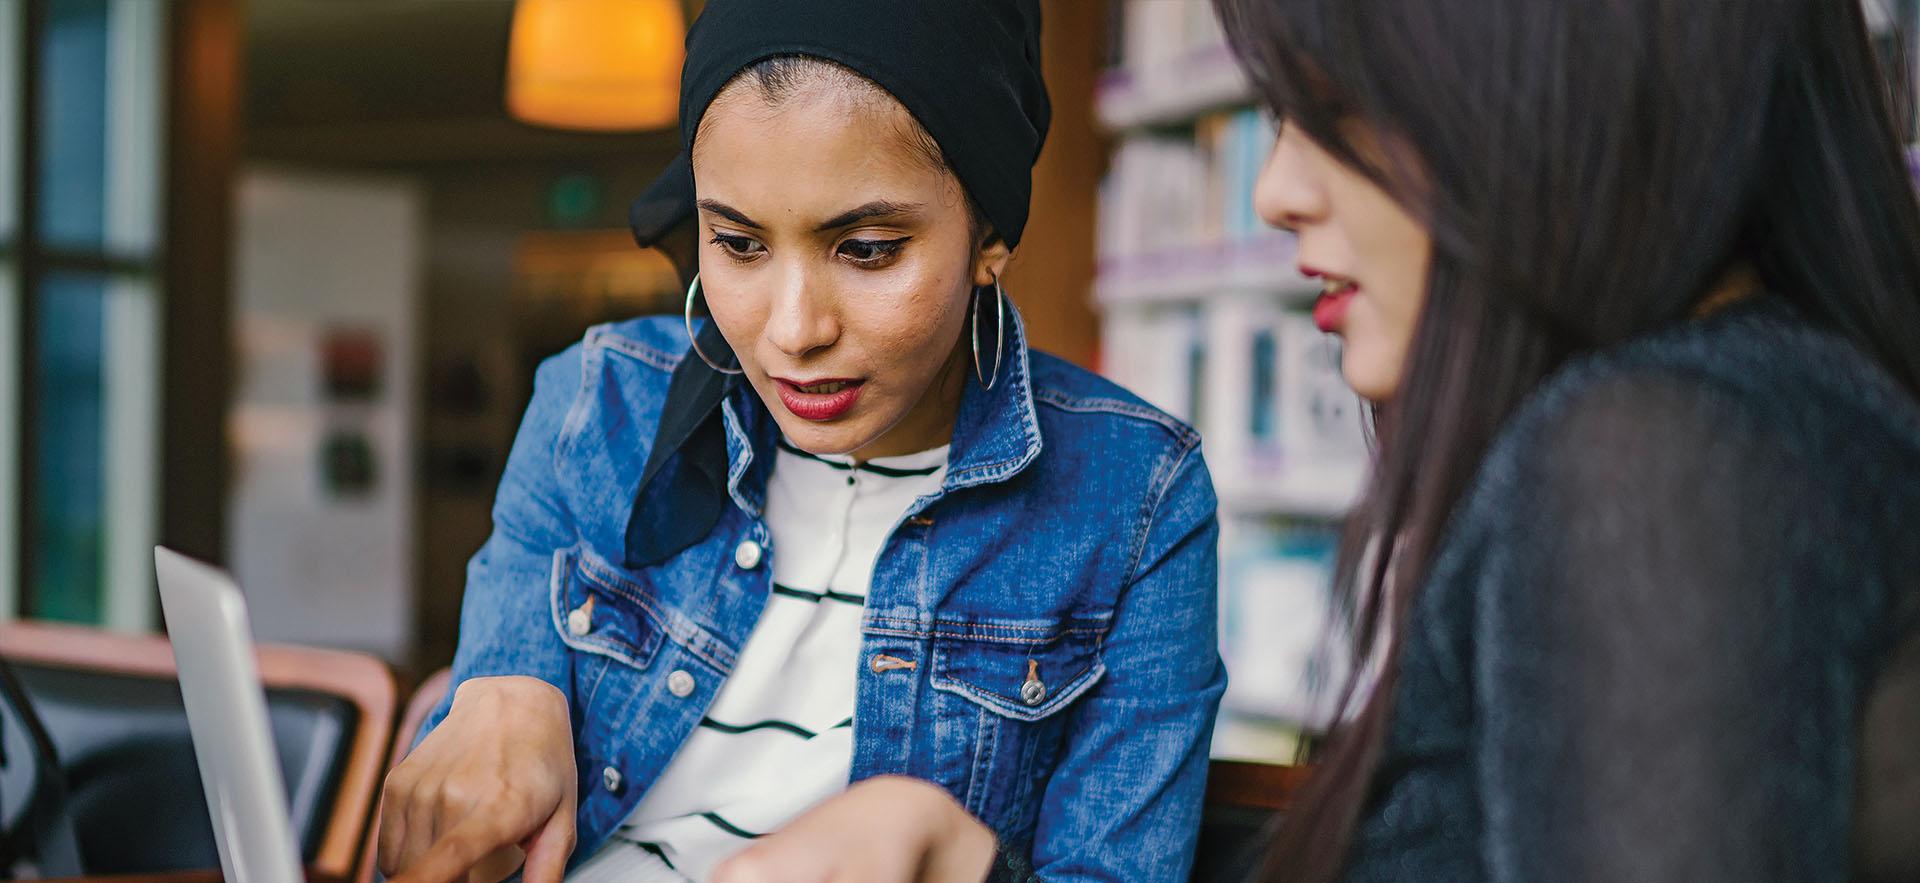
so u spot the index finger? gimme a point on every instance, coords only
(456, 853)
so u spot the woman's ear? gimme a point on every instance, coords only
(991, 261)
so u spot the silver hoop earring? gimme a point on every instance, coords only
(693, 291)
(988, 379)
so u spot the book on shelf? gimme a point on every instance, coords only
(1156, 32)
(1169, 193)
(1170, 62)
(1276, 585)
(1263, 387)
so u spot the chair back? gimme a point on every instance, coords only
(112, 710)
(34, 821)
(1243, 800)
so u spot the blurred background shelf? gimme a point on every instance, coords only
(1167, 93)
(1189, 274)
(1203, 313)
(1324, 491)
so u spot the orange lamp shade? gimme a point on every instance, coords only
(602, 65)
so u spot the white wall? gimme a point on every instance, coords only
(319, 252)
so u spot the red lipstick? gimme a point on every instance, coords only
(819, 400)
(1330, 310)
(1336, 295)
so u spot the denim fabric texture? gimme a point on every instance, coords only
(1074, 540)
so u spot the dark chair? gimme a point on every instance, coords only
(34, 825)
(112, 711)
(1243, 799)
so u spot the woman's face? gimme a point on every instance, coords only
(838, 259)
(1369, 252)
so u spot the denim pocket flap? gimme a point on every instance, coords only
(1025, 671)
(598, 608)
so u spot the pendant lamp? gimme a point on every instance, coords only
(596, 65)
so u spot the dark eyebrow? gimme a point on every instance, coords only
(875, 209)
(730, 213)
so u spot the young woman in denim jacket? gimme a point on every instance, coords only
(1036, 669)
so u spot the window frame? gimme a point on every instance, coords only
(128, 260)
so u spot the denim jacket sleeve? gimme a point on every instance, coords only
(1124, 803)
(505, 623)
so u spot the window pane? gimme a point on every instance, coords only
(68, 524)
(100, 111)
(10, 13)
(73, 123)
(96, 461)
(130, 433)
(136, 74)
(9, 439)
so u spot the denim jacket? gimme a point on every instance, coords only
(1073, 541)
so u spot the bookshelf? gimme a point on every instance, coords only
(1193, 274)
(1203, 314)
(1173, 92)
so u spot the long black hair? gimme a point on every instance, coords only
(1587, 170)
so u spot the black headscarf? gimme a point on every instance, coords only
(968, 71)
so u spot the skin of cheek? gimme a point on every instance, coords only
(1395, 251)
(899, 327)
(916, 337)
(1379, 244)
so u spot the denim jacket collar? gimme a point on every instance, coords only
(995, 434)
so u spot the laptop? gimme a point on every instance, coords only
(227, 715)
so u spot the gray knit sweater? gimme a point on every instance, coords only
(1670, 634)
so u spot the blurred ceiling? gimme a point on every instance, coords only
(401, 83)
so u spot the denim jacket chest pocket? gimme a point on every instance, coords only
(600, 610)
(1003, 690)
(642, 672)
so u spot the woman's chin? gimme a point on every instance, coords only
(826, 439)
(1368, 378)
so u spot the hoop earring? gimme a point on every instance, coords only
(988, 379)
(693, 291)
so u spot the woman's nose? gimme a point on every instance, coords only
(1288, 194)
(803, 317)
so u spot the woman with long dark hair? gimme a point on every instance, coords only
(1635, 289)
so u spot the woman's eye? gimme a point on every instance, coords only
(736, 246)
(872, 252)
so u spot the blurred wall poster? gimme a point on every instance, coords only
(323, 421)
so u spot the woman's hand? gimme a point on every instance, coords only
(890, 829)
(494, 779)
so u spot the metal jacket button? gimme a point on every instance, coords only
(1034, 691)
(580, 619)
(748, 554)
(680, 683)
(611, 778)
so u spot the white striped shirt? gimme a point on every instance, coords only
(779, 737)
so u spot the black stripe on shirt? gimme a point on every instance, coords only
(828, 595)
(886, 471)
(654, 848)
(782, 726)
(729, 827)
